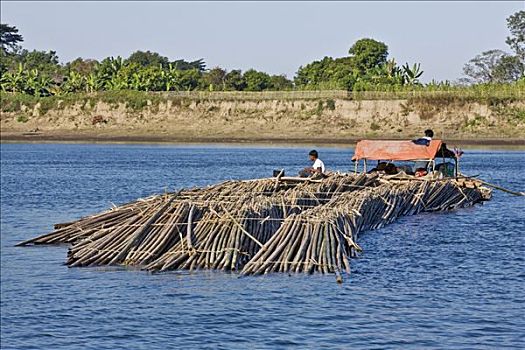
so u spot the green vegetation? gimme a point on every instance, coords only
(319, 108)
(365, 69)
(330, 104)
(492, 95)
(133, 100)
(367, 72)
(374, 126)
(22, 118)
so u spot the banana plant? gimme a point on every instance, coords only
(5, 82)
(118, 81)
(93, 83)
(411, 75)
(45, 83)
(14, 81)
(116, 84)
(394, 73)
(172, 78)
(116, 64)
(169, 77)
(74, 82)
(31, 84)
(106, 72)
(55, 90)
(136, 81)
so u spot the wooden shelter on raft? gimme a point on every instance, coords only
(280, 224)
(396, 150)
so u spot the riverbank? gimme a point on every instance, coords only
(143, 117)
(109, 138)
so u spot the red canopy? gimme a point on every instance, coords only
(395, 150)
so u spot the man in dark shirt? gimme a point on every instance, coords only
(425, 140)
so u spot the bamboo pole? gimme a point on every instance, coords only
(256, 226)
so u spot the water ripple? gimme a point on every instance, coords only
(438, 280)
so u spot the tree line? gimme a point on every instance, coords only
(366, 68)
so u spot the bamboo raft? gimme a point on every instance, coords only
(256, 226)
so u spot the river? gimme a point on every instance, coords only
(450, 280)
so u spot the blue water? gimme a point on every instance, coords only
(448, 280)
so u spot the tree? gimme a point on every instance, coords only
(280, 82)
(340, 74)
(93, 83)
(314, 73)
(214, 79)
(82, 66)
(516, 40)
(9, 38)
(366, 64)
(234, 80)
(509, 69)
(185, 65)
(148, 58)
(257, 81)
(171, 76)
(368, 53)
(480, 69)
(189, 79)
(493, 66)
(46, 62)
(328, 73)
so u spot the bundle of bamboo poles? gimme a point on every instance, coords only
(219, 226)
(256, 226)
(323, 238)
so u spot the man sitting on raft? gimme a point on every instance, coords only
(425, 140)
(316, 168)
(421, 167)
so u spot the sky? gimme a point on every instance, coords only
(275, 37)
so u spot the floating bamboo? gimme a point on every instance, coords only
(255, 227)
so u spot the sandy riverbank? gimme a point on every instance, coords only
(92, 137)
(339, 122)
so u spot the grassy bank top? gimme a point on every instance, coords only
(487, 94)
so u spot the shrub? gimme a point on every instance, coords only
(330, 104)
(13, 102)
(48, 103)
(319, 109)
(22, 118)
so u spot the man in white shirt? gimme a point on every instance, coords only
(316, 168)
